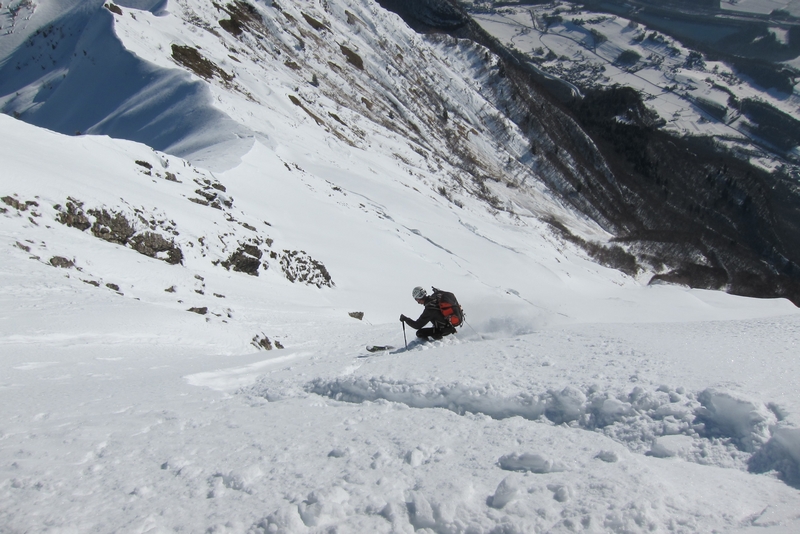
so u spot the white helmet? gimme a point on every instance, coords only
(419, 293)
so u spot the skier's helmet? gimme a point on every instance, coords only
(419, 293)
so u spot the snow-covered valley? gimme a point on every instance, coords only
(142, 284)
(691, 92)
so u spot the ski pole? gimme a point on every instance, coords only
(404, 335)
(476, 332)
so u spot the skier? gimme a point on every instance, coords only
(431, 314)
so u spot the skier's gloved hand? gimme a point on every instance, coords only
(403, 318)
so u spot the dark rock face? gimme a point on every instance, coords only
(428, 15)
(243, 17)
(60, 261)
(261, 341)
(112, 227)
(74, 217)
(116, 228)
(246, 259)
(714, 220)
(152, 244)
(192, 59)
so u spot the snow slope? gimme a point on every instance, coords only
(574, 399)
(139, 290)
(72, 74)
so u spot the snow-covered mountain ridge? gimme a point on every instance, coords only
(142, 281)
(416, 135)
(486, 132)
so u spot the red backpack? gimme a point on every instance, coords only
(449, 306)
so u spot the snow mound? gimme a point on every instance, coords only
(712, 427)
(723, 414)
(565, 405)
(780, 454)
(460, 398)
(506, 492)
(528, 461)
(670, 446)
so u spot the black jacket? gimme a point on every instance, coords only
(431, 314)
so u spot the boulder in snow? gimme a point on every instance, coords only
(527, 461)
(670, 446)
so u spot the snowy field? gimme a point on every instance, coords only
(139, 435)
(136, 394)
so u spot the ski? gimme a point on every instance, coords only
(378, 348)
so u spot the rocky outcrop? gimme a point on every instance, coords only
(298, 266)
(157, 246)
(116, 227)
(246, 259)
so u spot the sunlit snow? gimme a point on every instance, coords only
(137, 395)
